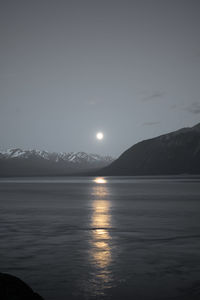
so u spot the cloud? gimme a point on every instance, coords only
(154, 96)
(95, 101)
(193, 108)
(177, 106)
(150, 123)
(173, 106)
(92, 102)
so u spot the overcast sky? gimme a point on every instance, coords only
(68, 69)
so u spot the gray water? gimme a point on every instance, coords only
(109, 238)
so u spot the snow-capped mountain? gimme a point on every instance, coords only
(73, 157)
(17, 159)
(19, 153)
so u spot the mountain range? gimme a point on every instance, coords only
(174, 153)
(19, 162)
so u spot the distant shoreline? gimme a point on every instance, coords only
(178, 176)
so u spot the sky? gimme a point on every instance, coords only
(69, 69)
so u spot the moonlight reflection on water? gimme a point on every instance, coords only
(100, 252)
(100, 180)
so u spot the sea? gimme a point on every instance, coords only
(82, 238)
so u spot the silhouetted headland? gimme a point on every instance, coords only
(174, 153)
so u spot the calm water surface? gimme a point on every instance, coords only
(102, 238)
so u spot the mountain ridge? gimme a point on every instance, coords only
(56, 156)
(177, 152)
(19, 162)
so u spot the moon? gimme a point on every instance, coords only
(99, 135)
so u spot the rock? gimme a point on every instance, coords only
(13, 288)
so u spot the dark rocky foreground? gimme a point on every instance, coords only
(13, 288)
